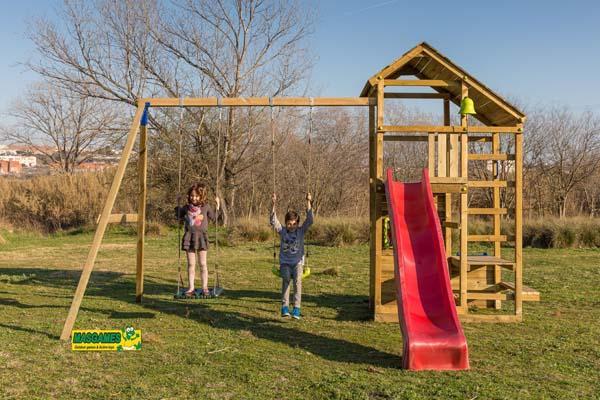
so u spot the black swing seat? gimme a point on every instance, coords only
(212, 293)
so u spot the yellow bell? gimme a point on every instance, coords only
(467, 107)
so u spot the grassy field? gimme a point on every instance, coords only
(237, 347)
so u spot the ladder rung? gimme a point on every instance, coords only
(487, 211)
(487, 238)
(500, 157)
(487, 184)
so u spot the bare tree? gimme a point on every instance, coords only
(75, 127)
(564, 149)
(124, 50)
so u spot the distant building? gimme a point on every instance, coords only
(25, 161)
(10, 167)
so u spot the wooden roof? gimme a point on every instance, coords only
(425, 62)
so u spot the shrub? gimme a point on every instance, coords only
(589, 235)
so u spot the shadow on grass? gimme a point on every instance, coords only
(114, 285)
(29, 330)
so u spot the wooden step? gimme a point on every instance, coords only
(474, 262)
(529, 294)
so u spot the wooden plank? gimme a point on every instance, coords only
(141, 226)
(405, 138)
(120, 218)
(448, 187)
(467, 318)
(449, 180)
(479, 138)
(493, 157)
(420, 82)
(448, 199)
(448, 129)
(529, 294)
(487, 211)
(417, 96)
(496, 205)
(261, 101)
(108, 205)
(487, 238)
(451, 225)
(479, 261)
(487, 184)
(431, 154)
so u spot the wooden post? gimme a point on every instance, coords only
(446, 167)
(519, 225)
(372, 205)
(496, 205)
(110, 201)
(141, 223)
(464, 173)
(378, 179)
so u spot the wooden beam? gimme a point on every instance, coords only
(448, 188)
(449, 180)
(447, 129)
(141, 227)
(120, 218)
(405, 138)
(479, 138)
(491, 157)
(487, 238)
(261, 101)
(446, 167)
(487, 184)
(420, 82)
(464, 204)
(496, 204)
(417, 96)
(487, 211)
(110, 201)
(519, 225)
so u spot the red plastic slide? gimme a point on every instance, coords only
(433, 336)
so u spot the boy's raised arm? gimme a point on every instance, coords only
(273, 217)
(309, 213)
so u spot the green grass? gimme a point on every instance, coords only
(237, 347)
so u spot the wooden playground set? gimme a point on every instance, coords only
(476, 280)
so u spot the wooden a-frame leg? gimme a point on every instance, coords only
(110, 201)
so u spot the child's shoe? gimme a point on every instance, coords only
(296, 313)
(285, 311)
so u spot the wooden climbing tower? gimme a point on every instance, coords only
(481, 283)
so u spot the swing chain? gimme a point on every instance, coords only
(180, 279)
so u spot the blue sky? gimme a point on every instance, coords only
(540, 52)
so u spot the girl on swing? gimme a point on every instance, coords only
(195, 238)
(291, 253)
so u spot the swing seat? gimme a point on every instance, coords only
(277, 273)
(198, 294)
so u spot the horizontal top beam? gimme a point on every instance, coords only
(259, 101)
(420, 82)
